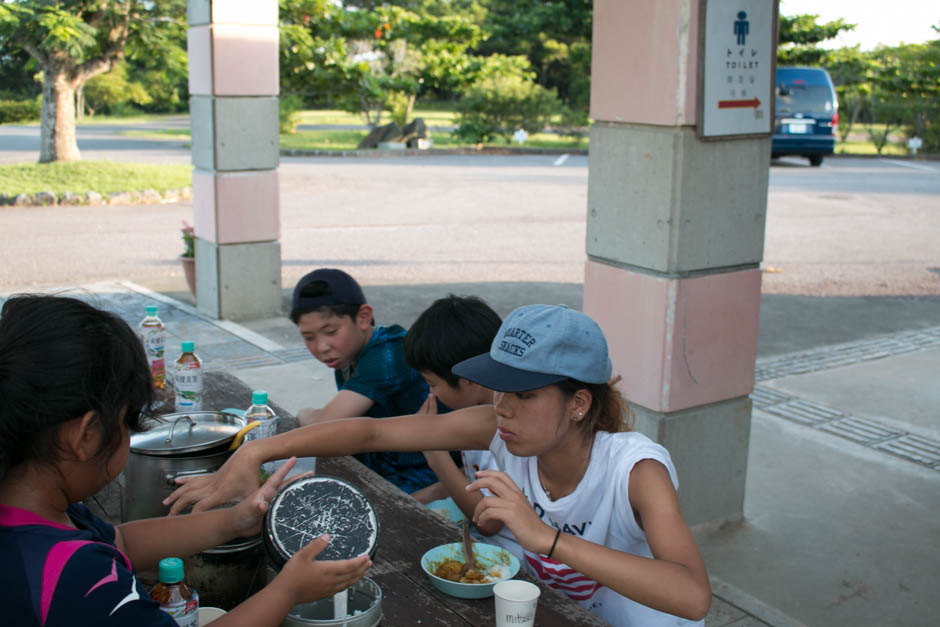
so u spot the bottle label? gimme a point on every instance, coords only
(266, 429)
(153, 339)
(184, 612)
(187, 381)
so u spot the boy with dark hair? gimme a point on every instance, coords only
(372, 376)
(451, 330)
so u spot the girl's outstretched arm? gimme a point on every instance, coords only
(674, 581)
(469, 428)
(148, 541)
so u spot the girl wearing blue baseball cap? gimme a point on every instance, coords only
(592, 505)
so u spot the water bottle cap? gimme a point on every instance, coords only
(259, 397)
(170, 570)
(188, 346)
(151, 310)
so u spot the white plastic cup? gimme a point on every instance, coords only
(515, 602)
(209, 614)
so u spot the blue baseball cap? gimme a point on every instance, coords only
(538, 345)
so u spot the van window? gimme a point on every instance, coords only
(802, 98)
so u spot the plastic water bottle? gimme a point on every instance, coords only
(259, 411)
(175, 597)
(152, 335)
(187, 379)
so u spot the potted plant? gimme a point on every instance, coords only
(188, 258)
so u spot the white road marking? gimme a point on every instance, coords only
(560, 160)
(905, 164)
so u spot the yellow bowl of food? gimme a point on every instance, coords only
(444, 566)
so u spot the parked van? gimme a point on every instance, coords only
(805, 115)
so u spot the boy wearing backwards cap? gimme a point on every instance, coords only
(372, 376)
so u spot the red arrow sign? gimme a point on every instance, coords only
(739, 104)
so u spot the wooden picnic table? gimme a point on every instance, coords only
(408, 529)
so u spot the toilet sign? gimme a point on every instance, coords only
(737, 50)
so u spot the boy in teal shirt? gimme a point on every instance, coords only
(372, 377)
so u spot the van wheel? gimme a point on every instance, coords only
(815, 160)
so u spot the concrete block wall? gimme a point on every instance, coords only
(233, 82)
(675, 231)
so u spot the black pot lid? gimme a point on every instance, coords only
(304, 509)
(186, 433)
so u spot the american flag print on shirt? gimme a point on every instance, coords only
(562, 578)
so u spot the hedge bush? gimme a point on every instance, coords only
(12, 111)
(498, 105)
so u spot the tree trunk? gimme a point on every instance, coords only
(57, 140)
(80, 101)
(410, 107)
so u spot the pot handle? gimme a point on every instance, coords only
(192, 424)
(171, 477)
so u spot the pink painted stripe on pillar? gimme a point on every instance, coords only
(204, 226)
(233, 60)
(644, 61)
(247, 208)
(199, 52)
(677, 343)
(236, 207)
(244, 60)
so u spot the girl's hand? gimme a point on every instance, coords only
(250, 512)
(509, 505)
(310, 580)
(234, 481)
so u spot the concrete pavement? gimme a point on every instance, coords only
(840, 524)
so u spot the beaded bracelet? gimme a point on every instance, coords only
(552, 550)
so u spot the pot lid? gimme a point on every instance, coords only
(304, 509)
(186, 433)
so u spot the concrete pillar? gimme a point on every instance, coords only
(675, 232)
(233, 85)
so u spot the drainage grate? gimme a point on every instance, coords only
(291, 355)
(805, 412)
(915, 448)
(860, 430)
(253, 361)
(765, 397)
(845, 354)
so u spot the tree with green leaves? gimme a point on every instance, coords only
(74, 40)
(554, 35)
(375, 57)
(800, 36)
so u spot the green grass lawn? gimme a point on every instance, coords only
(867, 148)
(432, 116)
(104, 177)
(441, 114)
(348, 140)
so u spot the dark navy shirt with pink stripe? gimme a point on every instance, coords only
(56, 575)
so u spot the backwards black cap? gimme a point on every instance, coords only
(324, 287)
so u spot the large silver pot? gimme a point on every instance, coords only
(364, 607)
(228, 574)
(175, 445)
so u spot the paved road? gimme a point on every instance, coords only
(859, 232)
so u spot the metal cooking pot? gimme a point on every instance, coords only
(174, 445)
(364, 607)
(228, 574)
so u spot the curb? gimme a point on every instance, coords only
(429, 152)
(138, 197)
(751, 605)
